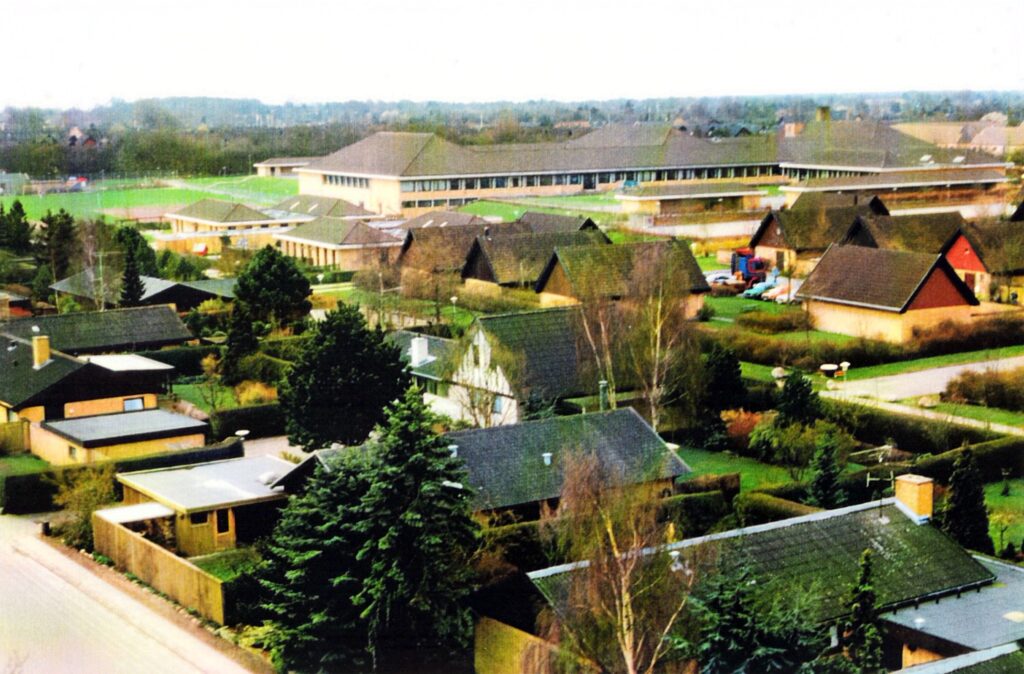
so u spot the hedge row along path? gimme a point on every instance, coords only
(845, 396)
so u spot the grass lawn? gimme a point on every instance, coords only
(992, 415)
(756, 371)
(576, 201)
(425, 309)
(934, 361)
(710, 263)
(509, 212)
(753, 473)
(627, 236)
(731, 307)
(229, 564)
(190, 392)
(20, 464)
(1012, 507)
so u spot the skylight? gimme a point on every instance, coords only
(925, 158)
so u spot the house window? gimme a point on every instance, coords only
(72, 452)
(476, 355)
(499, 404)
(223, 522)
(199, 519)
(133, 404)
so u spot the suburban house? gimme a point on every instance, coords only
(517, 261)
(92, 289)
(918, 572)
(199, 227)
(438, 250)
(517, 468)
(822, 200)
(210, 506)
(682, 199)
(281, 166)
(42, 384)
(993, 250)
(412, 173)
(441, 219)
(992, 136)
(543, 223)
(794, 239)
(338, 243)
(1007, 659)
(430, 363)
(619, 271)
(113, 331)
(14, 305)
(122, 435)
(884, 294)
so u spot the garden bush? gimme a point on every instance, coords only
(259, 367)
(738, 426)
(990, 388)
(260, 420)
(952, 337)
(770, 324)
(250, 393)
(695, 514)
(285, 348)
(992, 458)
(187, 360)
(759, 507)
(911, 434)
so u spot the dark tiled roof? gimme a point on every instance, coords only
(542, 223)
(105, 331)
(821, 552)
(341, 232)
(505, 464)
(20, 381)
(809, 229)
(547, 341)
(611, 271)
(90, 284)
(442, 219)
(304, 204)
(107, 429)
(875, 278)
(223, 288)
(519, 259)
(444, 249)
(215, 210)
(925, 233)
(820, 200)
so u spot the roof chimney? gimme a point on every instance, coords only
(547, 458)
(40, 351)
(454, 449)
(914, 494)
(419, 351)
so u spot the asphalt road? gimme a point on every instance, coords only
(56, 616)
(924, 382)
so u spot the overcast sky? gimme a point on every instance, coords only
(80, 53)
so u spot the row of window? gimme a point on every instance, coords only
(586, 179)
(346, 181)
(436, 203)
(223, 520)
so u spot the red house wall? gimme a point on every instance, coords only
(962, 256)
(938, 291)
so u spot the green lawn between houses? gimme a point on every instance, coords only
(191, 393)
(21, 464)
(229, 564)
(1012, 507)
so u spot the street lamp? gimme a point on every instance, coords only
(454, 299)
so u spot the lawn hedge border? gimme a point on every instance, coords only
(760, 507)
(260, 420)
(187, 360)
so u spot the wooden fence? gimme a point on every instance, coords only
(14, 437)
(159, 568)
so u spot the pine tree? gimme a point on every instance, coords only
(132, 288)
(966, 517)
(128, 239)
(241, 342)
(17, 231)
(825, 489)
(338, 388)
(862, 637)
(724, 388)
(418, 532)
(273, 289)
(58, 243)
(309, 572)
(798, 403)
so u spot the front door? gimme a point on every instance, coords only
(589, 181)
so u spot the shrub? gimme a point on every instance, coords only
(285, 348)
(519, 544)
(992, 458)
(768, 323)
(187, 360)
(794, 445)
(879, 427)
(260, 367)
(81, 493)
(725, 291)
(254, 393)
(728, 485)
(738, 426)
(695, 514)
(991, 389)
(705, 313)
(260, 420)
(759, 508)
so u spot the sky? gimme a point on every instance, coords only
(85, 52)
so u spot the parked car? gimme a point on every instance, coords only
(718, 276)
(758, 289)
(772, 294)
(789, 297)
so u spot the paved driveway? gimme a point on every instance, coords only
(925, 382)
(56, 616)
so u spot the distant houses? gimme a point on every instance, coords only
(339, 243)
(95, 290)
(112, 331)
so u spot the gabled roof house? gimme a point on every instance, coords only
(348, 245)
(518, 260)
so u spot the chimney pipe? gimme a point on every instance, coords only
(602, 395)
(40, 351)
(419, 351)
(547, 458)
(914, 494)
(454, 449)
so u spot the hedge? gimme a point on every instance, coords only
(992, 458)
(695, 514)
(759, 508)
(187, 360)
(728, 484)
(520, 545)
(258, 367)
(911, 434)
(34, 492)
(260, 420)
(285, 348)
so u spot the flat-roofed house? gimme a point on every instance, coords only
(214, 506)
(308, 206)
(110, 437)
(884, 294)
(682, 198)
(348, 245)
(620, 272)
(932, 184)
(281, 166)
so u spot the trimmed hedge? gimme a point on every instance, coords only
(771, 324)
(520, 545)
(34, 492)
(696, 514)
(911, 434)
(258, 367)
(728, 484)
(759, 508)
(260, 420)
(187, 360)
(992, 457)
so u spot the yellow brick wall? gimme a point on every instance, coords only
(875, 324)
(55, 449)
(88, 408)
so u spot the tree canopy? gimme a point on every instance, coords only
(273, 289)
(338, 388)
(966, 517)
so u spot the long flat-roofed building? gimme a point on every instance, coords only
(411, 173)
